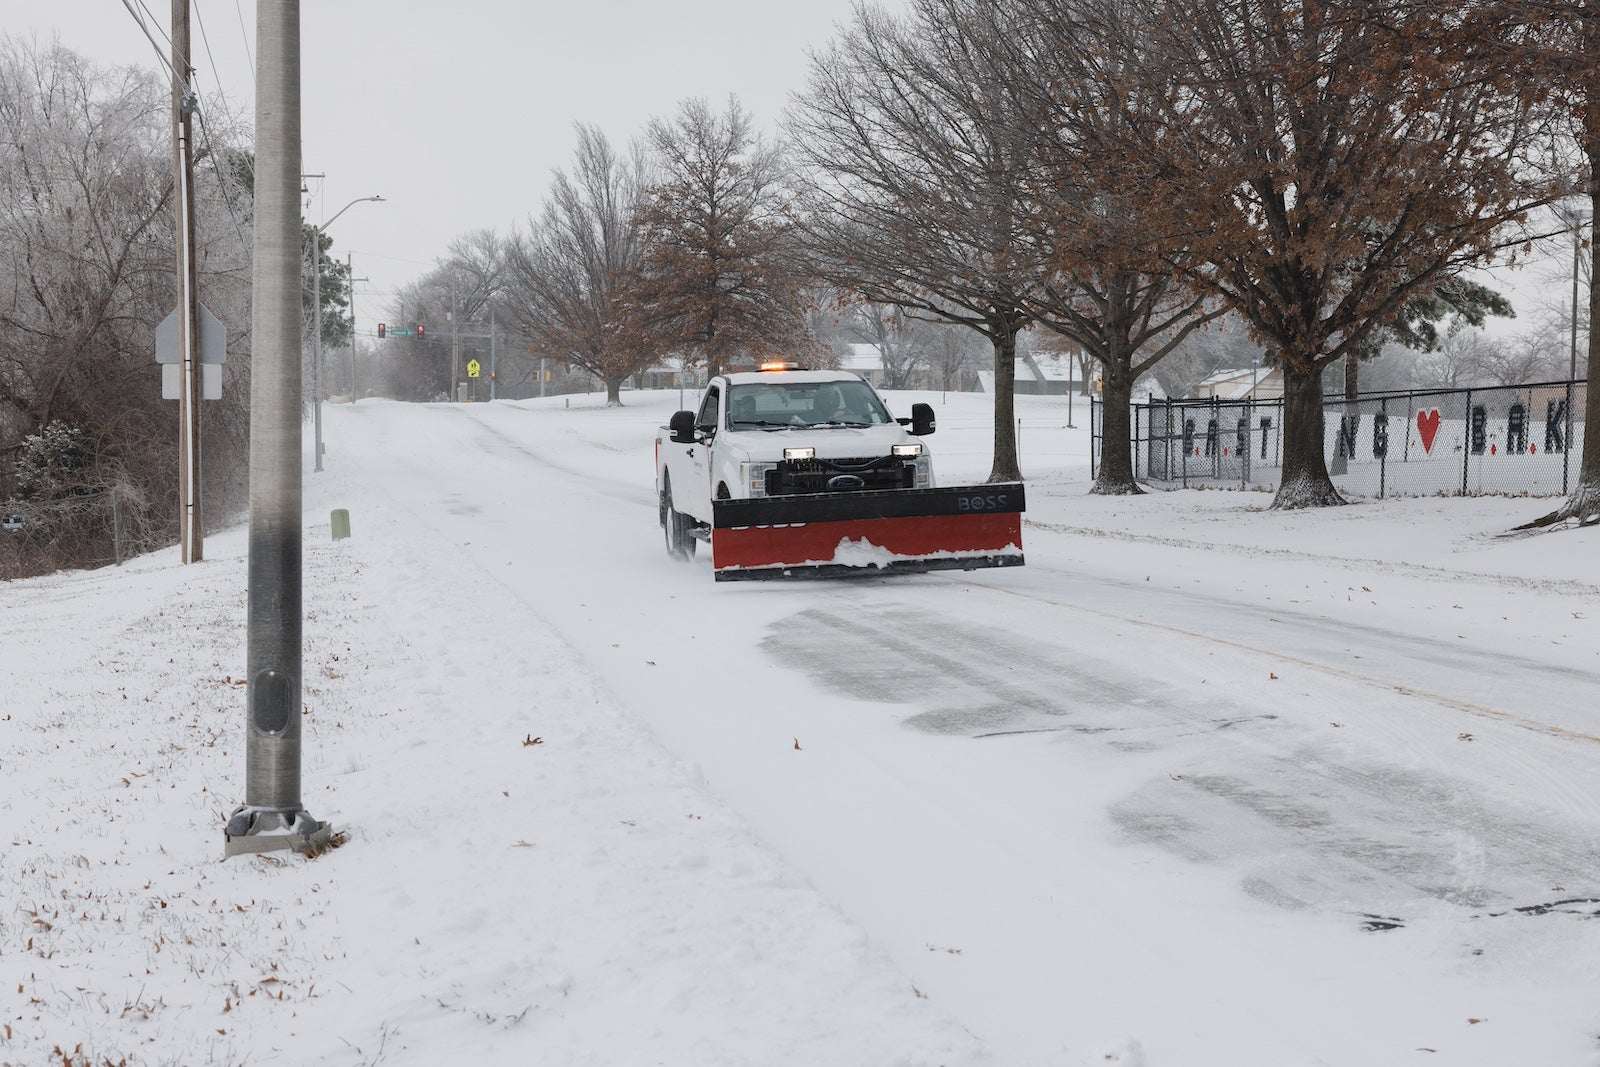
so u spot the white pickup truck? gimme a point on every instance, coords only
(800, 473)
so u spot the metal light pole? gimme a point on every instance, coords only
(316, 316)
(272, 816)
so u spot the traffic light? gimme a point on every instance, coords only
(383, 329)
(421, 330)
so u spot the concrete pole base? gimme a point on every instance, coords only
(270, 829)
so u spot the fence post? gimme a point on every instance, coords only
(1566, 451)
(1187, 438)
(116, 528)
(1092, 425)
(1466, 442)
(1137, 441)
(1383, 460)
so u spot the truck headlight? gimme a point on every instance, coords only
(908, 451)
(799, 453)
(755, 477)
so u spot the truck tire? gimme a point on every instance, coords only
(675, 525)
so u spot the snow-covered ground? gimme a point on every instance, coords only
(1202, 785)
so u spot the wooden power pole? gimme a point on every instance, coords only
(191, 533)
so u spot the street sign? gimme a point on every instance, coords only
(472, 368)
(400, 331)
(210, 381)
(213, 339)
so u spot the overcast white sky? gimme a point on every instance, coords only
(458, 113)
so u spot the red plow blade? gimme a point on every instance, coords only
(824, 535)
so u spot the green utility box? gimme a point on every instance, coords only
(341, 523)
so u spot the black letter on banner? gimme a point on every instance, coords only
(1266, 427)
(1555, 415)
(1517, 430)
(1211, 437)
(1347, 435)
(1480, 426)
(1188, 436)
(1380, 436)
(1241, 436)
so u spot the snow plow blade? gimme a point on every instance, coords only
(827, 535)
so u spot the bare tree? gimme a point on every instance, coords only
(916, 156)
(904, 345)
(568, 273)
(1113, 285)
(719, 279)
(1224, 344)
(454, 297)
(86, 273)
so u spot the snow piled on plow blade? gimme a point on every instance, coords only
(864, 533)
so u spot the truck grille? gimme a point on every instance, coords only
(791, 477)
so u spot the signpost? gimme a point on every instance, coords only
(213, 351)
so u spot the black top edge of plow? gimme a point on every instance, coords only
(998, 499)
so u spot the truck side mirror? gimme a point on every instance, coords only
(682, 426)
(922, 419)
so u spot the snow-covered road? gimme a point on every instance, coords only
(1037, 768)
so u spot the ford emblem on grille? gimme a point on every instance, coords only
(846, 481)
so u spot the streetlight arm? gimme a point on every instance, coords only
(347, 207)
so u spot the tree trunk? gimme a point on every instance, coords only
(1115, 476)
(1004, 335)
(1305, 483)
(1586, 496)
(614, 391)
(1583, 501)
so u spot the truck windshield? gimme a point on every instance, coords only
(784, 405)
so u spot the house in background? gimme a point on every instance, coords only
(865, 360)
(1043, 374)
(1250, 383)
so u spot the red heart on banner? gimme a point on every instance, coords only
(1428, 427)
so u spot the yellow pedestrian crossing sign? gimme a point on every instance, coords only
(472, 368)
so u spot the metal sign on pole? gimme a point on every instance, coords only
(213, 351)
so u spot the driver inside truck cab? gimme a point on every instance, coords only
(828, 405)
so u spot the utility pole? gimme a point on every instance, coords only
(316, 347)
(491, 352)
(455, 350)
(272, 816)
(351, 279)
(191, 534)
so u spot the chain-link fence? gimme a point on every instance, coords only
(1522, 440)
(37, 537)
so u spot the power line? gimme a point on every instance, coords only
(164, 34)
(222, 179)
(181, 79)
(206, 43)
(248, 54)
(205, 130)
